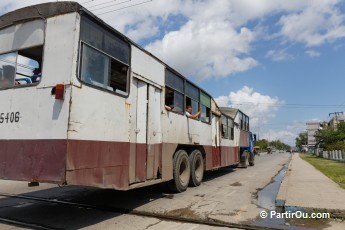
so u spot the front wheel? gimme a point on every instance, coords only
(181, 172)
(197, 168)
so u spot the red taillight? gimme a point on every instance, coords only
(59, 91)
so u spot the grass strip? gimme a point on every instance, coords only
(333, 169)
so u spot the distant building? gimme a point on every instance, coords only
(337, 118)
(312, 128)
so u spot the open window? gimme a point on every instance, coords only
(174, 96)
(231, 128)
(225, 133)
(227, 128)
(104, 58)
(205, 101)
(21, 68)
(8, 63)
(192, 97)
(244, 121)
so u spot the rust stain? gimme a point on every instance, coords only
(127, 106)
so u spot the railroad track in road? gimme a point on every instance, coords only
(160, 216)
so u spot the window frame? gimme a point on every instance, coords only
(205, 106)
(106, 31)
(24, 77)
(231, 128)
(175, 90)
(228, 126)
(169, 85)
(110, 59)
(189, 87)
(225, 134)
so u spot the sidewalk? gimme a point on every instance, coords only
(304, 187)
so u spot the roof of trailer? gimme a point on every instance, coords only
(51, 9)
(44, 10)
(231, 112)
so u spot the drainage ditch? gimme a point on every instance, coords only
(267, 200)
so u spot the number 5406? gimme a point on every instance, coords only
(9, 117)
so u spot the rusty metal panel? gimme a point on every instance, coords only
(140, 169)
(157, 166)
(229, 156)
(154, 161)
(98, 163)
(215, 157)
(150, 161)
(110, 177)
(33, 160)
(244, 138)
(168, 151)
(209, 159)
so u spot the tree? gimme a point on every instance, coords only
(263, 143)
(332, 139)
(279, 145)
(301, 139)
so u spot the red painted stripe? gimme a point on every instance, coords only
(140, 167)
(92, 163)
(33, 160)
(101, 164)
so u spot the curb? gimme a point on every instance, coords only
(282, 195)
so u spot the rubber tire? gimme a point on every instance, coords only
(196, 168)
(243, 159)
(251, 159)
(181, 172)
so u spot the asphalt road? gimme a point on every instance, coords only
(227, 195)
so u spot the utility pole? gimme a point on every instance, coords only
(336, 114)
(335, 121)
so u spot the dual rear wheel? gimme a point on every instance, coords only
(188, 170)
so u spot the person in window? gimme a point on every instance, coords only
(189, 112)
(169, 107)
(36, 77)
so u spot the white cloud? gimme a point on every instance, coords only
(206, 49)
(312, 53)
(216, 37)
(285, 133)
(279, 55)
(318, 23)
(260, 108)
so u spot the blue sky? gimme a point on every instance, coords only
(281, 62)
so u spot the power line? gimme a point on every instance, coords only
(86, 2)
(125, 7)
(291, 105)
(103, 3)
(110, 5)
